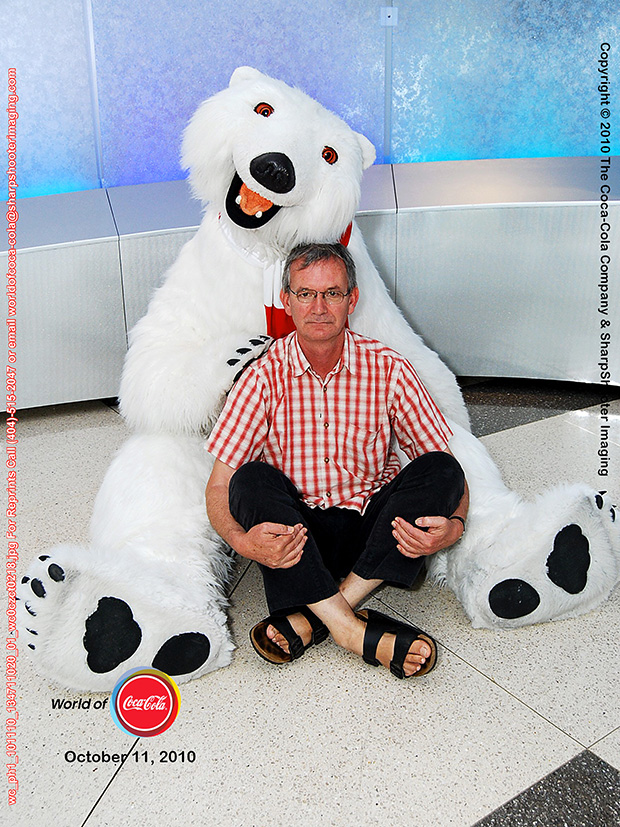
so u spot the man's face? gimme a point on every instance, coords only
(319, 321)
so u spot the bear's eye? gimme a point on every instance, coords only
(264, 109)
(330, 155)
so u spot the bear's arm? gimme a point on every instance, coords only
(177, 370)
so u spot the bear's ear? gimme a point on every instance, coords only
(369, 153)
(243, 74)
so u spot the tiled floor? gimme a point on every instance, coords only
(519, 728)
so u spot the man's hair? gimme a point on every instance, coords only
(309, 254)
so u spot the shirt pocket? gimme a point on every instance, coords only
(365, 452)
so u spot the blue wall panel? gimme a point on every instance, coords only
(499, 79)
(466, 79)
(44, 40)
(156, 61)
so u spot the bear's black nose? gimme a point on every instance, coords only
(274, 171)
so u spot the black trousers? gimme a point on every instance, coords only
(341, 540)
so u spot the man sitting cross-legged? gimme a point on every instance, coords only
(307, 483)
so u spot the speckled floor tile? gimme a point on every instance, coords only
(585, 792)
(497, 404)
(549, 666)
(560, 449)
(541, 665)
(67, 756)
(330, 740)
(63, 454)
(608, 749)
(56, 489)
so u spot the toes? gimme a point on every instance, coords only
(36, 587)
(281, 641)
(418, 653)
(277, 638)
(512, 599)
(413, 664)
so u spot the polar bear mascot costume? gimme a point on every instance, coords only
(274, 169)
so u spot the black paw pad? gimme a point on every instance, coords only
(37, 587)
(599, 501)
(568, 563)
(257, 342)
(55, 572)
(513, 598)
(30, 610)
(243, 350)
(112, 635)
(182, 654)
(232, 362)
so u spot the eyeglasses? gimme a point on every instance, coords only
(308, 296)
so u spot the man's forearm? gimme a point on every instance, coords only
(271, 544)
(221, 519)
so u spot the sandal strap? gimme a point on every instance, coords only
(373, 634)
(379, 624)
(295, 643)
(402, 644)
(320, 631)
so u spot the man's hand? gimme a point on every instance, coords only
(273, 545)
(431, 535)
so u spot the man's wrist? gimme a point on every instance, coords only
(236, 540)
(461, 520)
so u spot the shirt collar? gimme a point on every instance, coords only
(296, 357)
(300, 364)
(349, 354)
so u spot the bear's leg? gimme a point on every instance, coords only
(148, 591)
(522, 562)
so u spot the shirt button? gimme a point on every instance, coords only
(326, 459)
(324, 388)
(326, 425)
(328, 493)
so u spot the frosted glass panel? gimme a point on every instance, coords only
(156, 61)
(499, 79)
(465, 79)
(44, 40)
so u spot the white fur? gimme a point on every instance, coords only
(151, 544)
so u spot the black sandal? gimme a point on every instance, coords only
(378, 624)
(273, 653)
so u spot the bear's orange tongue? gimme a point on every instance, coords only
(251, 202)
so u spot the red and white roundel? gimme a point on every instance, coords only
(145, 702)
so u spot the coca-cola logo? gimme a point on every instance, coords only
(153, 702)
(145, 702)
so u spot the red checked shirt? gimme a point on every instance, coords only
(333, 438)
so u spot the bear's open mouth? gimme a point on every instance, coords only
(246, 208)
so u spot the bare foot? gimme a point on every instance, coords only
(299, 624)
(415, 659)
(418, 653)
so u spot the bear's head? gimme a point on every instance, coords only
(274, 162)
